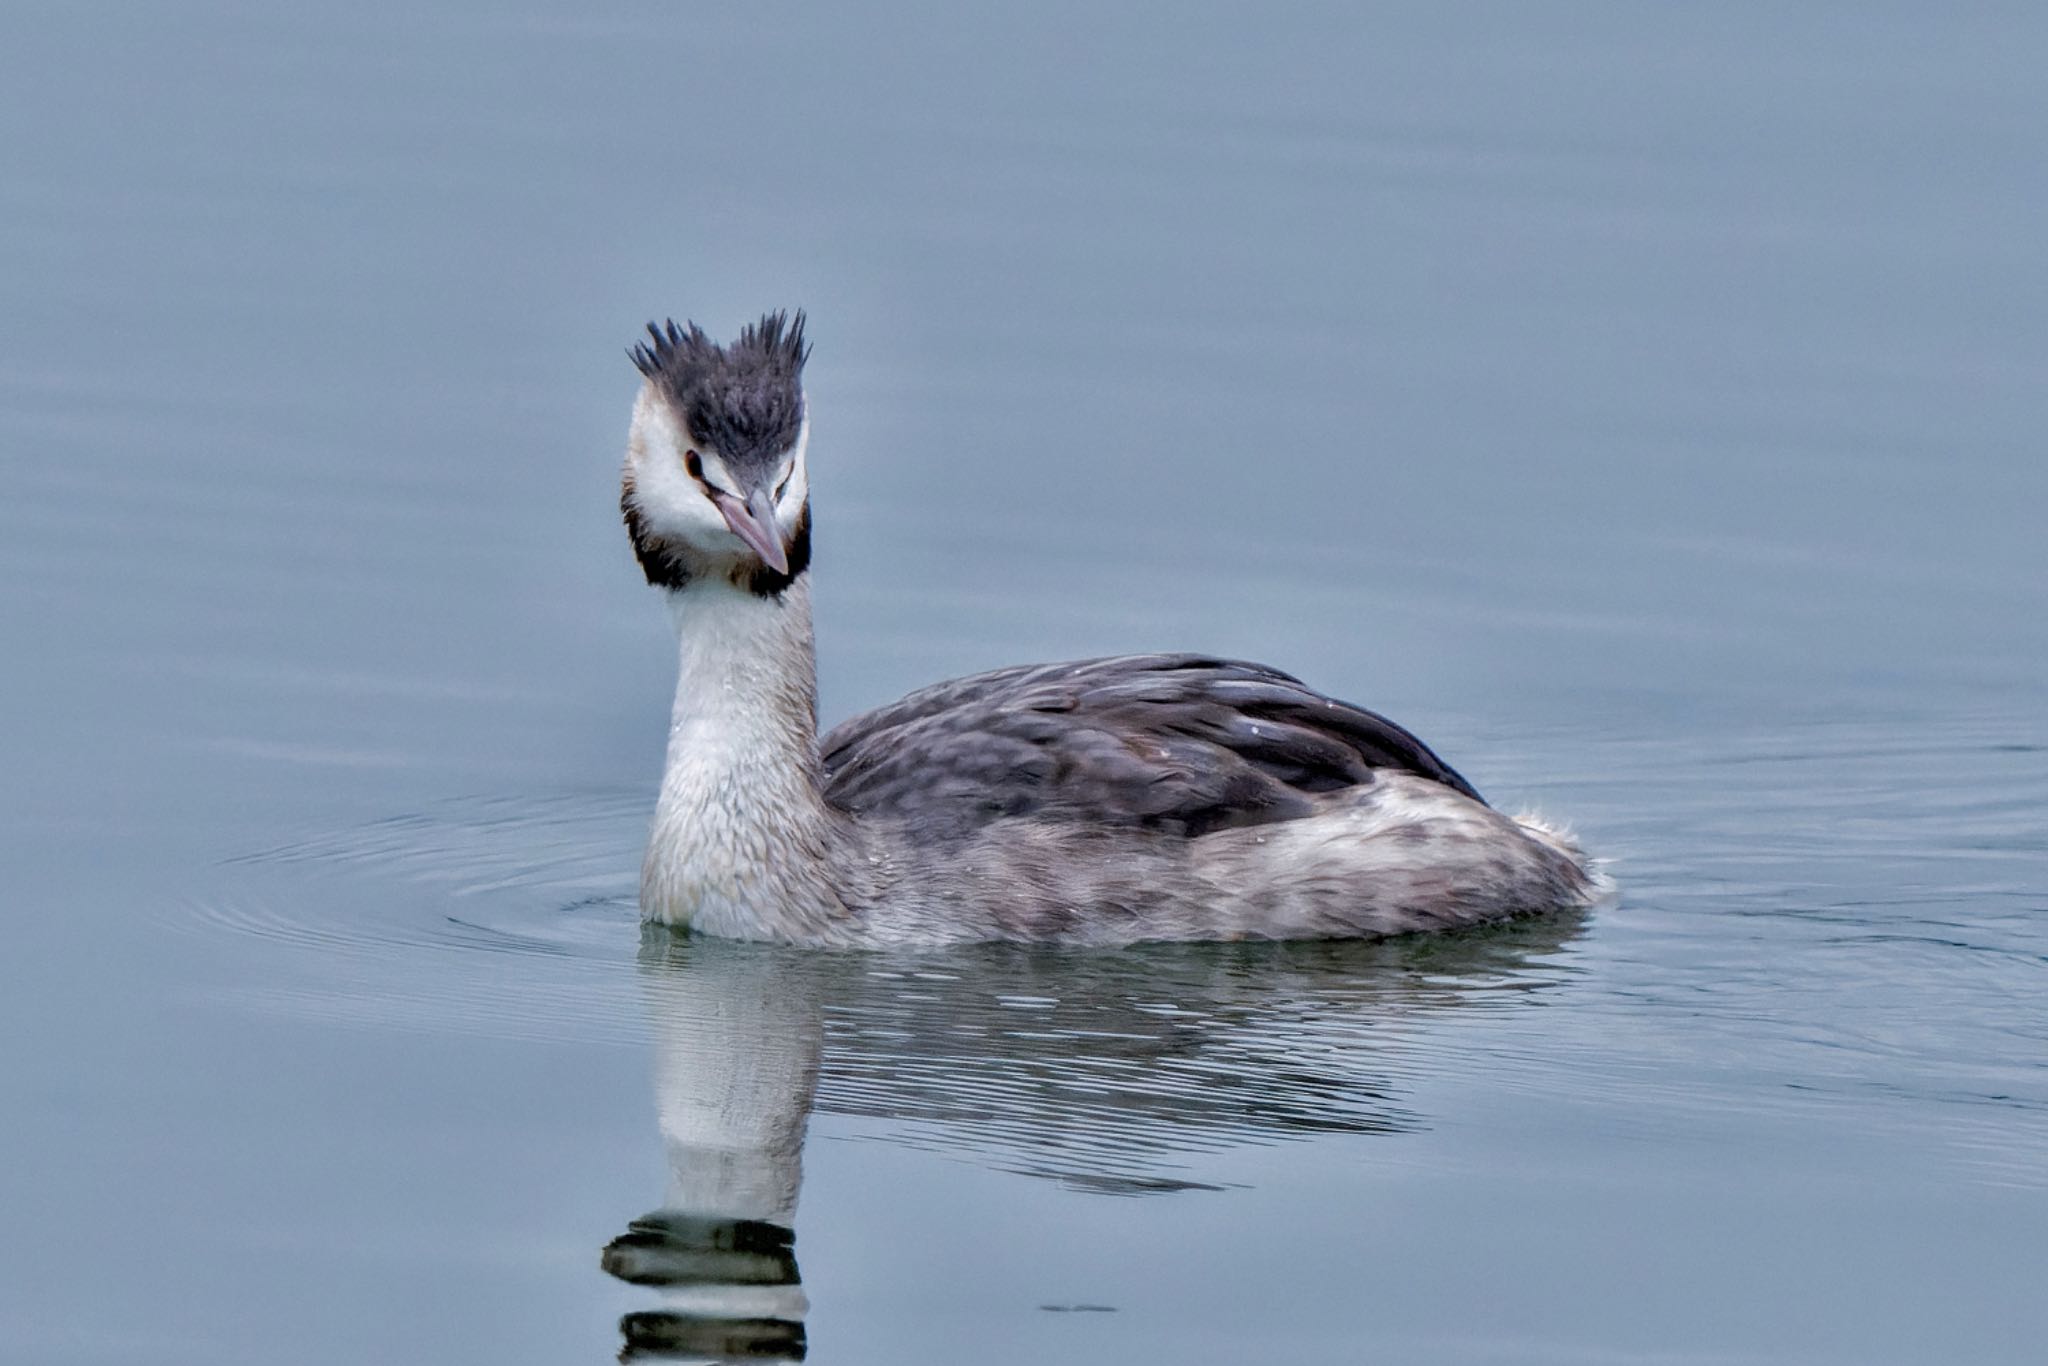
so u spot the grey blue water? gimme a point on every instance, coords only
(1644, 404)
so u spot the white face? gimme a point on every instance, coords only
(674, 503)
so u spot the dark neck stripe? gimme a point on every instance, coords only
(661, 561)
(669, 565)
(764, 582)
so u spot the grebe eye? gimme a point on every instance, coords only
(694, 464)
(783, 487)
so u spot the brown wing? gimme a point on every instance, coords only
(1182, 743)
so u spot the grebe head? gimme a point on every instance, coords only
(715, 482)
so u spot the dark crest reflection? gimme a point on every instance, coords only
(1109, 1071)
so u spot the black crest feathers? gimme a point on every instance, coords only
(744, 400)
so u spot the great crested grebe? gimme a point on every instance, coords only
(1101, 801)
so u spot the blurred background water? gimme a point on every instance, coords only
(1643, 404)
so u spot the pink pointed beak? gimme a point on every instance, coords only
(754, 522)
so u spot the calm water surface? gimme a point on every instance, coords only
(1646, 406)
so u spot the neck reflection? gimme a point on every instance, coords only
(738, 1034)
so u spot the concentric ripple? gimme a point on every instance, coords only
(1782, 894)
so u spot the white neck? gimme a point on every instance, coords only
(741, 830)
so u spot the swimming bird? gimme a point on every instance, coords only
(1098, 801)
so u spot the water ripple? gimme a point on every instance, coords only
(1807, 939)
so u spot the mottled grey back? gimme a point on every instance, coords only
(1183, 744)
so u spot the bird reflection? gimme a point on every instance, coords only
(1113, 1072)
